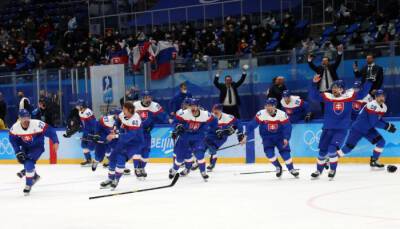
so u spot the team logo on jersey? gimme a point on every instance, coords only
(143, 114)
(272, 127)
(356, 106)
(338, 107)
(107, 89)
(27, 138)
(289, 111)
(194, 125)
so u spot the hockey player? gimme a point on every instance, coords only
(296, 108)
(191, 127)
(27, 139)
(150, 112)
(275, 130)
(359, 104)
(365, 126)
(105, 126)
(88, 123)
(184, 106)
(129, 142)
(337, 120)
(227, 125)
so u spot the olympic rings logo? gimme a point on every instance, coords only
(311, 139)
(5, 147)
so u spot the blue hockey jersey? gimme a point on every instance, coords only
(150, 115)
(88, 122)
(337, 112)
(105, 126)
(296, 109)
(370, 117)
(131, 131)
(224, 122)
(271, 126)
(31, 138)
(200, 126)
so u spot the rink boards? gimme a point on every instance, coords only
(304, 145)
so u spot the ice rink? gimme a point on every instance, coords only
(357, 198)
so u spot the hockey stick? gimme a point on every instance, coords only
(258, 172)
(227, 147)
(175, 179)
(90, 140)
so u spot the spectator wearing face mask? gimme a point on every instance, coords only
(176, 102)
(229, 96)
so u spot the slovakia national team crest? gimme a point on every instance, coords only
(338, 107)
(356, 106)
(143, 114)
(194, 125)
(273, 127)
(107, 89)
(27, 138)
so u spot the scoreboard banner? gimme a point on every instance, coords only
(107, 86)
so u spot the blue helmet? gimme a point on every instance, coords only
(186, 100)
(81, 103)
(146, 93)
(357, 84)
(218, 106)
(23, 113)
(272, 102)
(339, 84)
(193, 102)
(115, 111)
(379, 92)
(286, 93)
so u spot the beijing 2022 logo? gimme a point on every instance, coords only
(311, 139)
(107, 89)
(5, 147)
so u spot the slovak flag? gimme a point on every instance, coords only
(165, 53)
(142, 52)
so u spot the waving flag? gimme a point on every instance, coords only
(142, 52)
(165, 53)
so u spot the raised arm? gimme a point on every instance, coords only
(311, 64)
(364, 90)
(338, 57)
(216, 83)
(313, 92)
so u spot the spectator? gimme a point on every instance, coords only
(277, 88)
(176, 102)
(43, 113)
(3, 108)
(229, 96)
(24, 102)
(371, 72)
(326, 70)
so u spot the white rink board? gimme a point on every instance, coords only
(358, 199)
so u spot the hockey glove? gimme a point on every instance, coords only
(21, 157)
(390, 128)
(240, 137)
(219, 133)
(308, 117)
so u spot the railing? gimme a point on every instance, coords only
(64, 86)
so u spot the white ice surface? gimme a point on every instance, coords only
(358, 198)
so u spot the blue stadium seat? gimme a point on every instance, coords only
(328, 31)
(272, 46)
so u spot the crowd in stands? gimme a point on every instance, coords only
(49, 37)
